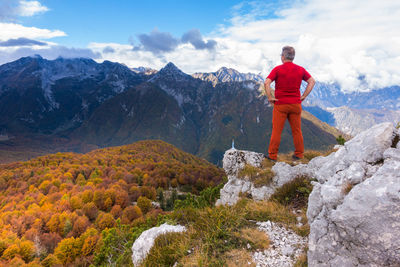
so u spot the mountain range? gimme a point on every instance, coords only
(354, 112)
(349, 112)
(79, 105)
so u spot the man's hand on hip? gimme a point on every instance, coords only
(272, 100)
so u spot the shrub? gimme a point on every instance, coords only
(207, 198)
(340, 140)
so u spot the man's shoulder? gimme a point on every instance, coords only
(298, 66)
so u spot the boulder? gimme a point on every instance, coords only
(354, 208)
(145, 241)
(235, 160)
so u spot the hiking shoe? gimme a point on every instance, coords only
(267, 157)
(294, 157)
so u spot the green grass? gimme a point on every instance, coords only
(294, 193)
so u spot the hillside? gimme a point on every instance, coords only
(60, 208)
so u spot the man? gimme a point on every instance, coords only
(287, 101)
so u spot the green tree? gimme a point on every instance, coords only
(144, 204)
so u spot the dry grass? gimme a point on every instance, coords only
(258, 176)
(347, 188)
(301, 261)
(308, 156)
(254, 237)
(266, 210)
(239, 258)
(167, 249)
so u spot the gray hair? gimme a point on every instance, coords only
(288, 52)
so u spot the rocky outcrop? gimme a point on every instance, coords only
(145, 241)
(235, 160)
(354, 208)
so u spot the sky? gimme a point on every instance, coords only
(350, 42)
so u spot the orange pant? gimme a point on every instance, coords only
(292, 112)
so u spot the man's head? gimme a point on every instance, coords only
(287, 53)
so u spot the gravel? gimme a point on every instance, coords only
(285, 246)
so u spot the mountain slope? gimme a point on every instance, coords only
(58, 209)
(43, 96)
(193, 115)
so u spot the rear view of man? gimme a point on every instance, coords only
(287, 101)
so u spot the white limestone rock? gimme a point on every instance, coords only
(360, 227)
(235, 160)
(145, 241)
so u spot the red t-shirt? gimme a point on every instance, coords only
(288, 77)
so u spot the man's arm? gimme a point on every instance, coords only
(267, 87)
(310, 85)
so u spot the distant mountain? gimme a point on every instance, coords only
(79, 105)
(331, 95)
(353, 121)
(144, 70)
(228, 75)
(51, 96)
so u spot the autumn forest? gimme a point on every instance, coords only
(70, 209)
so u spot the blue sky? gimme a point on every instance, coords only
(117, 21)
(338, 41)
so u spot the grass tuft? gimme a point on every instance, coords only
(167, 249)
(266, 210)
(255, 238)
(301, 261)
(239, 258)
(258, 176)
(294, 193)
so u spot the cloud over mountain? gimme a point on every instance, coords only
(194, 37)
(351, 43)
(163, 42)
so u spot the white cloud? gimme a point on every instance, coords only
(51, 51)
(13, 31)
(30, 8)
(355, 43)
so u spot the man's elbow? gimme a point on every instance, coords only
(311, 81)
